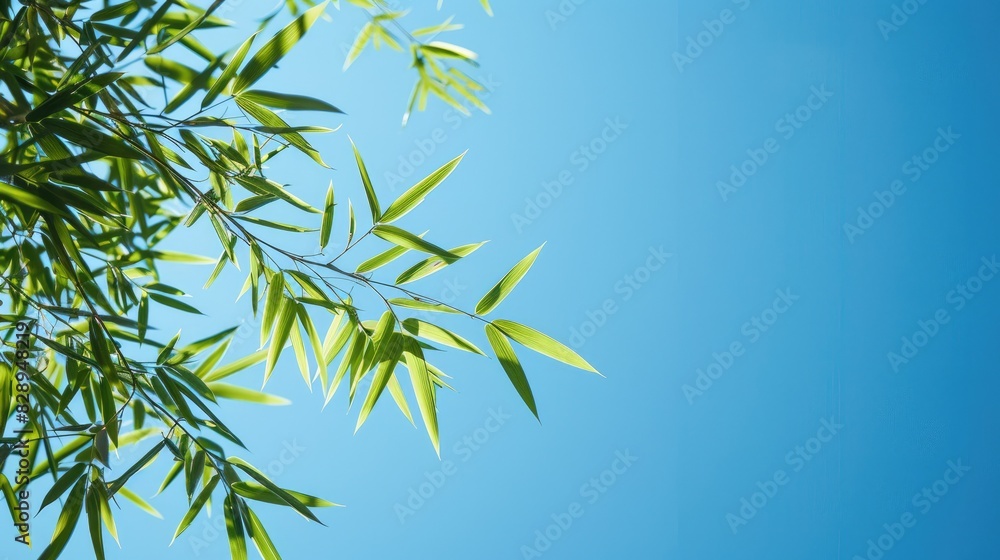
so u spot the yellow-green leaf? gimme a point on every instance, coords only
(423, 388)
(367, 182)
(435, 333)
(237, 393)
(506, 284)
(276, 48)
(543, 344)
(416, 194)
(511, 365)
(403, 238)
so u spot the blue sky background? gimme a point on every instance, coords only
(823, 360)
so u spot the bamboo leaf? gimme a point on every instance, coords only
(260, 538)
(288, 101)
(416, 194)
(433, 264)
(143, 504)
(62, 484)
(283, 495)
(94, 523)
(276, 48)
(367, 182)
(511, 365)
(196, 507)
(176, 304)
(435, 333)
(390, 351)
(423, 388)
(258, 492)
(227, 74)
(67, 521)
(327, 225)
(286, 320)
(403, 238)
(234, 529)
(542, 344)
(146, 459)
(383, 258)
(505, 286)
(235, 392)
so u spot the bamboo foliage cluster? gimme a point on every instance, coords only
(93, 170)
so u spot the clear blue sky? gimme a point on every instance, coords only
(699, 230)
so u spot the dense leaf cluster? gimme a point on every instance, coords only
(96, 173)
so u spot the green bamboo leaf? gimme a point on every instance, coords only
(403, 238)
(62, 484)
(542, 344)
(423, 388)
(435, 333)
(196, 507)
(448, 50)
(67, 521)
(227, 74)
(104, 507)
(383, 258)
(146, 459)
(506, 284)
(274, 225)
(422, 305)
(90, 138)
(416, 194)
(237, 393)
(285, 322)
(327, 225)
(264, 187)
(438, 29)
(143, 315)
(143, 504)
(186, 258)
(176, 304)
(367, 182)
(276, 48)
(272, 305)
(18, 195)
(166, 350)
(252, 203)
(260, 538)
(317, 346)
(389, 356)
(94, 523)
(288, 101)
(433, 264)
(365, 35)
(234, 529)
(258, 492)
(9, 496)
(71, 95)
(299, 348)
(269, 118)
(171, 69)
(99, 347)
(194, 469)
(100, 449)
(195, 23)
(115, 12)
(171, 475)
(284, 496)
(351, 222)
(237, 366)
(511, 365)
(145, 30)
